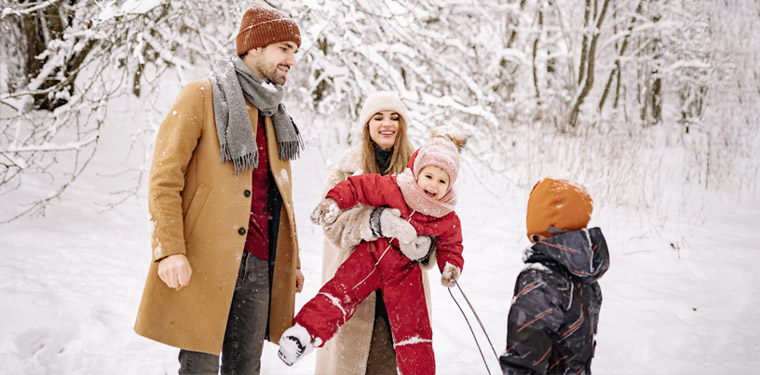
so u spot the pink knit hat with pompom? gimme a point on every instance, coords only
(439, 152)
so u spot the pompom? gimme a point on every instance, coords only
(450, 132)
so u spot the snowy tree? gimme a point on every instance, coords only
(74, 57)
(512, 74)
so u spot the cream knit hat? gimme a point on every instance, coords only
(382, 101)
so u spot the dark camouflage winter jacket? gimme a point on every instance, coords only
(555, 308)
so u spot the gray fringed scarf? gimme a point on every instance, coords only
(231, 81)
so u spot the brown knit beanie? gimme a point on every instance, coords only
(559, 204)
(263, 25)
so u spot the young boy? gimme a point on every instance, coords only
(555, 308)
(421, 194)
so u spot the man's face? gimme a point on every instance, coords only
(274, 61)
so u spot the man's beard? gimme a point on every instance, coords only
(271, 74)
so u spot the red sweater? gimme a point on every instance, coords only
(376, 190)
(257, 242)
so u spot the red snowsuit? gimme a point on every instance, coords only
(370, 267)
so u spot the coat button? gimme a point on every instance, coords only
(241, 231)
(247, 193)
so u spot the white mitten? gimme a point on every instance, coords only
(326, 212)
(449, 275)
(294, 344)
(366, 230)
(416, 249)
(392, 225)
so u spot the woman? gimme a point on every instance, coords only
(364, 344)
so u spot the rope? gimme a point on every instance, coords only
(471, 330)
(382, 255)
(373, 270)
(479, 322)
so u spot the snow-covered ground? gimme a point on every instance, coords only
(681, 296)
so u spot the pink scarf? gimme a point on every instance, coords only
(416, 198)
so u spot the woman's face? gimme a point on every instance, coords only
(383, 128)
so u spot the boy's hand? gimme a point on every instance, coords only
(175, 271)
(449, 275)
(326, 212)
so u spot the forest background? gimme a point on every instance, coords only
(653, 105)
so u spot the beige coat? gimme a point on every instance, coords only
(199, 208)
(348, 351)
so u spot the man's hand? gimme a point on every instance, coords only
(299, 281)
(175, 271)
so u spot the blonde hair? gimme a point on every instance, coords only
(402, 150)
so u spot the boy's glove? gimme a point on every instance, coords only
(387, 222)
(326, 212)
(417, 249)
(449, 275)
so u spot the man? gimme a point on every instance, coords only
(225, 264)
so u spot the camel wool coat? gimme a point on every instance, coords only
(348, 351)
(200, 208)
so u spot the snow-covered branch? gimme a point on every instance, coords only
(71, 146)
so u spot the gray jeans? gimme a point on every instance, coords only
(246, 326)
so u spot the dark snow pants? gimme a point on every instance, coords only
(403, 293)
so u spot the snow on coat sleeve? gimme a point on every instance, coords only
(448, 245)
(370, 189)
(534, 318)
(176, 141)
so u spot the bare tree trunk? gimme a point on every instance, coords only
(34, 46)
(656, 97)
(615, 72)
(318, 93)
(507, 70)
(584, 45)
(692, 105)
(618, 85)
(136, 89)
(535, 50)
(643, 95)
(40, 28)
(651, 112)
(590, 66)
(513, 34)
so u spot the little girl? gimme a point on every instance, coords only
(423, 195)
